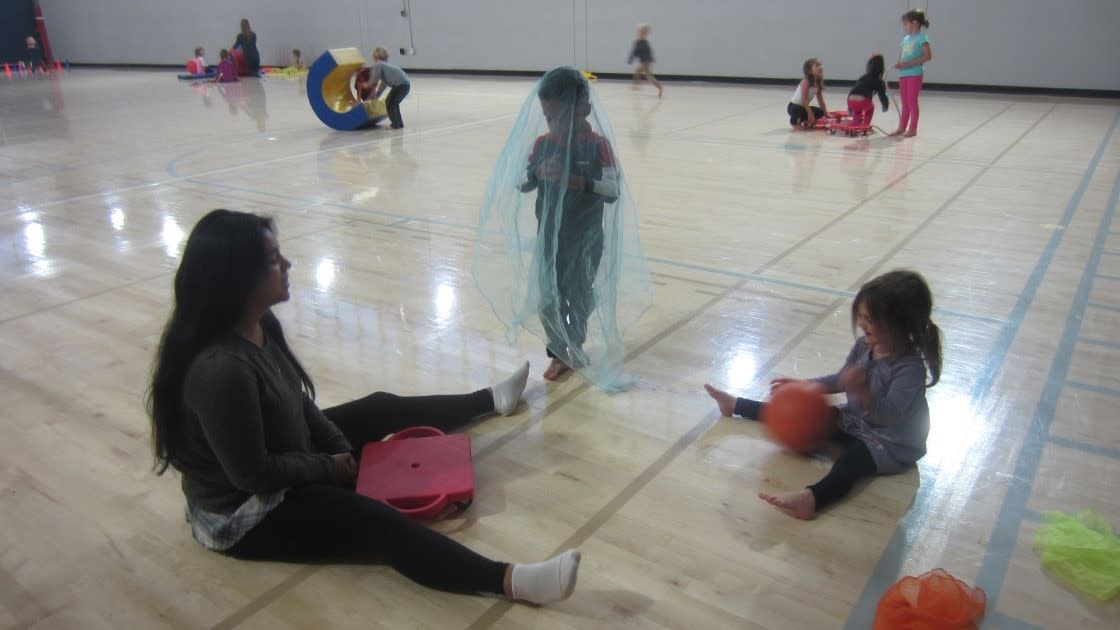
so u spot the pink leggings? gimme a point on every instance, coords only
(862, 111)
(908, 88)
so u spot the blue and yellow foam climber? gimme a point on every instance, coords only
(331, 96)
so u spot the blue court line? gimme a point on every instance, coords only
(1085, 447)
(1096, 389)
(1107, 307)
(1106, 276)
(1026, 297)
(1007, 622)
(886, 570)
(1033, 516)
(1111, 252)
(1098, 342)
(1005, 533)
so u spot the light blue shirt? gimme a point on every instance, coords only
(911, 51)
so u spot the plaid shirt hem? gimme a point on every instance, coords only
(219, 532)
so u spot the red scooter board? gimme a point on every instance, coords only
(830, 118)
(849, 129)
(420, 471)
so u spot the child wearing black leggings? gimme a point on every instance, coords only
(884, 425)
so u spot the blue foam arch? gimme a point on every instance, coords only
(331, 97)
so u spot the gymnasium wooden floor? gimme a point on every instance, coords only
(757, 238)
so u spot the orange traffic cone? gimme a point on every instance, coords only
(8, 71)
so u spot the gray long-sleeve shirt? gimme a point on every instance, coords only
(388, 75)
(895, 425)
(250, 427)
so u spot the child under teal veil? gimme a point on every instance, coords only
(558, 251)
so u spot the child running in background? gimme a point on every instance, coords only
(884, 425)
(297, 59)
(644, 54)
(859, 98)
(913, 54)
(801, 113)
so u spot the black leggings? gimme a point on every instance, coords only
(318, 523)
(854, 463)
(798, 114)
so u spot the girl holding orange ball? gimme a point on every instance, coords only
(885, 422)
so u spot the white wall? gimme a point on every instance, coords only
(1033, 43)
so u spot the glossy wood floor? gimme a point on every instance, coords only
(757, 237)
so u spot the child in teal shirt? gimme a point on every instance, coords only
(914, 52)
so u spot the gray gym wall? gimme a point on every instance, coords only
(1029, 43)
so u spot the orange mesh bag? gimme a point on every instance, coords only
(932, 601)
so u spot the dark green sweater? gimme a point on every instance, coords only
(250, 428)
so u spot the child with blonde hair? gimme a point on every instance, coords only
(384, 75)
(644, 54)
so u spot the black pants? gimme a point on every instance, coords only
(798, 114)
(854, 463)
(393, 104)
(318, 523)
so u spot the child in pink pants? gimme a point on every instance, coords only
(871, 83)
(915, 51)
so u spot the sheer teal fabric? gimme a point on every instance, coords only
(558, 252)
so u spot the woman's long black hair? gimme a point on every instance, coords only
(223, 262)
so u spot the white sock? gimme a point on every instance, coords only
(548, 581)
(508, 393)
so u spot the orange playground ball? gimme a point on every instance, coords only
(798, 416)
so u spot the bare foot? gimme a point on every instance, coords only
(556, 369)
(909, 134)
(801, 504)
(725, 401)
(659, 91)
